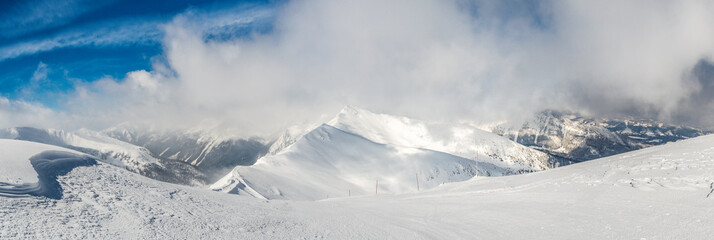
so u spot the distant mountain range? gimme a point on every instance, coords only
(574, 138)
(389, 147)
(212, 155)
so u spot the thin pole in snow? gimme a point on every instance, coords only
(376, 185)
(349, 193)
(477, 164)
(417, 179)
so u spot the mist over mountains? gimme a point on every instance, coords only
(434, 60)
(550, 139)
(575, 138)
(356, 119)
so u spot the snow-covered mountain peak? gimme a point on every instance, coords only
(331, 162)
(358, 147)
(576, 138)
(382, 128)
(458, 139)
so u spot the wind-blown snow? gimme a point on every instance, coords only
(110, 150)
(457, 139)
(47, 165)
(575, 138)
(15, 164)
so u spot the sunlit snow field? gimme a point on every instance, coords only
(663, 192)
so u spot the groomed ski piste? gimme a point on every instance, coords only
(662, 192)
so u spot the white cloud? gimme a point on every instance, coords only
(635, 50)
(431, 59)
(20, 113)
(38, 79)
(123, 33)
(34, 15)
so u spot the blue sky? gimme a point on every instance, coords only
(260, 66)
(66, 42)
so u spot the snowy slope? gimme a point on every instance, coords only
(16, 167)
(101, 201)
(110, 150)
(289, 137)
(394, 149)
(331, 162)
(663, 192)
(457, 139)
(31, 169)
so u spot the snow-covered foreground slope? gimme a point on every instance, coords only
(331, 162)
(15, 164)
(102, 201)
(663, 192)
(31, 169)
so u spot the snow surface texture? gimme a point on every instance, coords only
(15, 166)
(47, 165)
(663, 192)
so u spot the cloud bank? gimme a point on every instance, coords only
(431, 59)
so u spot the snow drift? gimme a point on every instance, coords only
(48, 165)
(110, 150)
